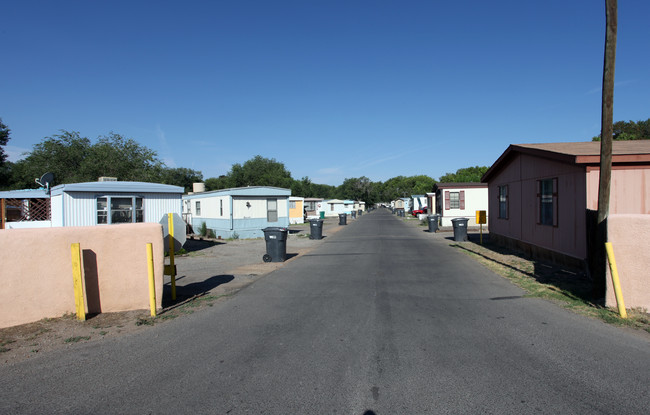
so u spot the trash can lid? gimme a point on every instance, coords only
(274, 229)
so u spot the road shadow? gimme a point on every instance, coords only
(192, 290)
(194, 245)
(574, 282)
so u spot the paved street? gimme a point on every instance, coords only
(381, 317)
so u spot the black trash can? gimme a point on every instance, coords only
(316, 227)
(276, 244)
(433, 222)
(354, 214)
(460, 229)
(343, 219)
(360, 212)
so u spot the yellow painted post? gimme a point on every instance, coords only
(615, 281)
(170, 223)
(152, 282)
(79, 302)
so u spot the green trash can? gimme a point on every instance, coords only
(322, 215)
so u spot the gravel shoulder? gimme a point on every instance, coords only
(211, 271)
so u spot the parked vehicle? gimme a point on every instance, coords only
(419, 211)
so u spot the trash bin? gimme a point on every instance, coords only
(433, 222)
(322, 215)
(316, 228)
(360, 212)
(343, 218)
(354, 214)
(276, 244)
(460, 229)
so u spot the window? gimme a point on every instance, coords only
(292, 204)
(547, 202)
(221, 207)
(197, 208)
(503, 202)
(454, 200)
(272, 210)
(111, 209)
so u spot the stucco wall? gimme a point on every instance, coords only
(629, 235)
(629, 189)
(37, 270)
(521, 175)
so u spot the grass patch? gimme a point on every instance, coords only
(145, 321)
(568, 288)
(76, 339)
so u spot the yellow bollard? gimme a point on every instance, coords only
(152, 282)
(79, 302)
(170, 223)
(615, 280)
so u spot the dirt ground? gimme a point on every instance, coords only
(209, 272)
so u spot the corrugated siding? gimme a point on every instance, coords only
(79, 208)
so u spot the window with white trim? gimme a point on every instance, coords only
(119, 209)
(272, 210)
(197, 207)
(454, 200)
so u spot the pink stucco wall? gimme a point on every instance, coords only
(37, 270)
(630, 236)
(629, 190)
(521, 174)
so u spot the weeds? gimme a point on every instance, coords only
(568, 289)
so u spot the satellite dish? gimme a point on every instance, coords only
(45, 180)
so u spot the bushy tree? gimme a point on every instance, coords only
(630, 130)
(5, 166)
(73, 158)
(181, 176)
(260, 171)
(465, 175)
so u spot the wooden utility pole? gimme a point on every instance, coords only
(606, 134)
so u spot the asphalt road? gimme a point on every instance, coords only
(381, 318)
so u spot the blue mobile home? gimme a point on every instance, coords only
(239, 212)
(97, 203)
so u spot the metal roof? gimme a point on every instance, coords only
(117, 187)
(24, 194)
(243, 191)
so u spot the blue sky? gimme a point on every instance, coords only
(333, 89)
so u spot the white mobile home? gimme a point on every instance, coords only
(460, 200)
(238, 213)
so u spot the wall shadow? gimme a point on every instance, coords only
(91, 281)
(574, 282)
(194, 245)
(195, 289)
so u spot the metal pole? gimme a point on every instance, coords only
(152, 282)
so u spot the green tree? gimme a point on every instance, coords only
(5, 166)
(117, 156)
(180, 176)
(402, 186)
(629, 130)
(217, 183)
(62, 154)
(465, 175)
(260, 171)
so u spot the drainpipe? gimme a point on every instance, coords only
(231, 215)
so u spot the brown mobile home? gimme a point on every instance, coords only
(539, 194)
